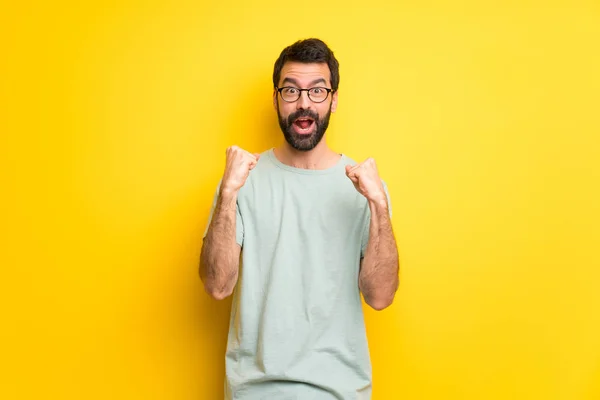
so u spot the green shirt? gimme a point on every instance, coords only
(297, 329)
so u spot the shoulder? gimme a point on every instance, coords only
(265, 161)
(347, 160)
(265, 157)
(262, 172)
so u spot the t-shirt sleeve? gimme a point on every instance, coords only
(239, 224)
(367, 221)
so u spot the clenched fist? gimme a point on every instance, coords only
(366, 180)
(238, 165)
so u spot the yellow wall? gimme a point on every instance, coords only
(484, 120)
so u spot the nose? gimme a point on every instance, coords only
(303, 102)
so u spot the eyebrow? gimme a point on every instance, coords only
(295, 82)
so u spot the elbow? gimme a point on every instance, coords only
(215, 288)
(218, 294)
(381, 298)
(380, 303)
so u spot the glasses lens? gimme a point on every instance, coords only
(318, 94)
(290, 94)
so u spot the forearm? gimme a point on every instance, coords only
(219, 259)
(378, 279)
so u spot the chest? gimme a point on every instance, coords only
(302, 209)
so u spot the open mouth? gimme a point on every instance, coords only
(304, 124)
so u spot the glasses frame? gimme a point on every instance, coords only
(328, 90)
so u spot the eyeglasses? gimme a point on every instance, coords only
(291, 94)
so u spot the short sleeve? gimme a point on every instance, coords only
(239, 225)
(367, 221)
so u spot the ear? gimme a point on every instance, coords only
(275, 99)
(334, 101)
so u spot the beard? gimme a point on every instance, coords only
(304, 142)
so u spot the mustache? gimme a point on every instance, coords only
(302, 113)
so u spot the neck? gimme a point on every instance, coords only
(321, 157)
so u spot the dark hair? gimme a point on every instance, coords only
(308, 51)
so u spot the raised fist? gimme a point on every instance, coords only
(366, 180)
(238, 165)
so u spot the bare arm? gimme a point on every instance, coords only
(378, 278)
(220, 255)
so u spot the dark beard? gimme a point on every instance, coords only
(303, 142)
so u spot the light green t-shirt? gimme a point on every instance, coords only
(297, 330)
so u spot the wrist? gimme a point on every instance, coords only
(228, 197)
(378, 203)
(228, 191)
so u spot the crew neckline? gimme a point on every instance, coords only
(340, 164)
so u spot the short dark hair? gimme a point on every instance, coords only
(308, 51)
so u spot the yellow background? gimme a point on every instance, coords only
(483, 118)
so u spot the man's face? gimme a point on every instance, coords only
(304, 121)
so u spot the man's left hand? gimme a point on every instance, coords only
(366, 180)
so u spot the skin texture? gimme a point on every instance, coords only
(220, 254)
(378, 279)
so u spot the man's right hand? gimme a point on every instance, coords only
(238, 165)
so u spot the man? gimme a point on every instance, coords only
(313, 230)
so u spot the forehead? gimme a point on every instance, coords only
(305, 73)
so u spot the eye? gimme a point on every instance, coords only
(290, 90)
(317, 90)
